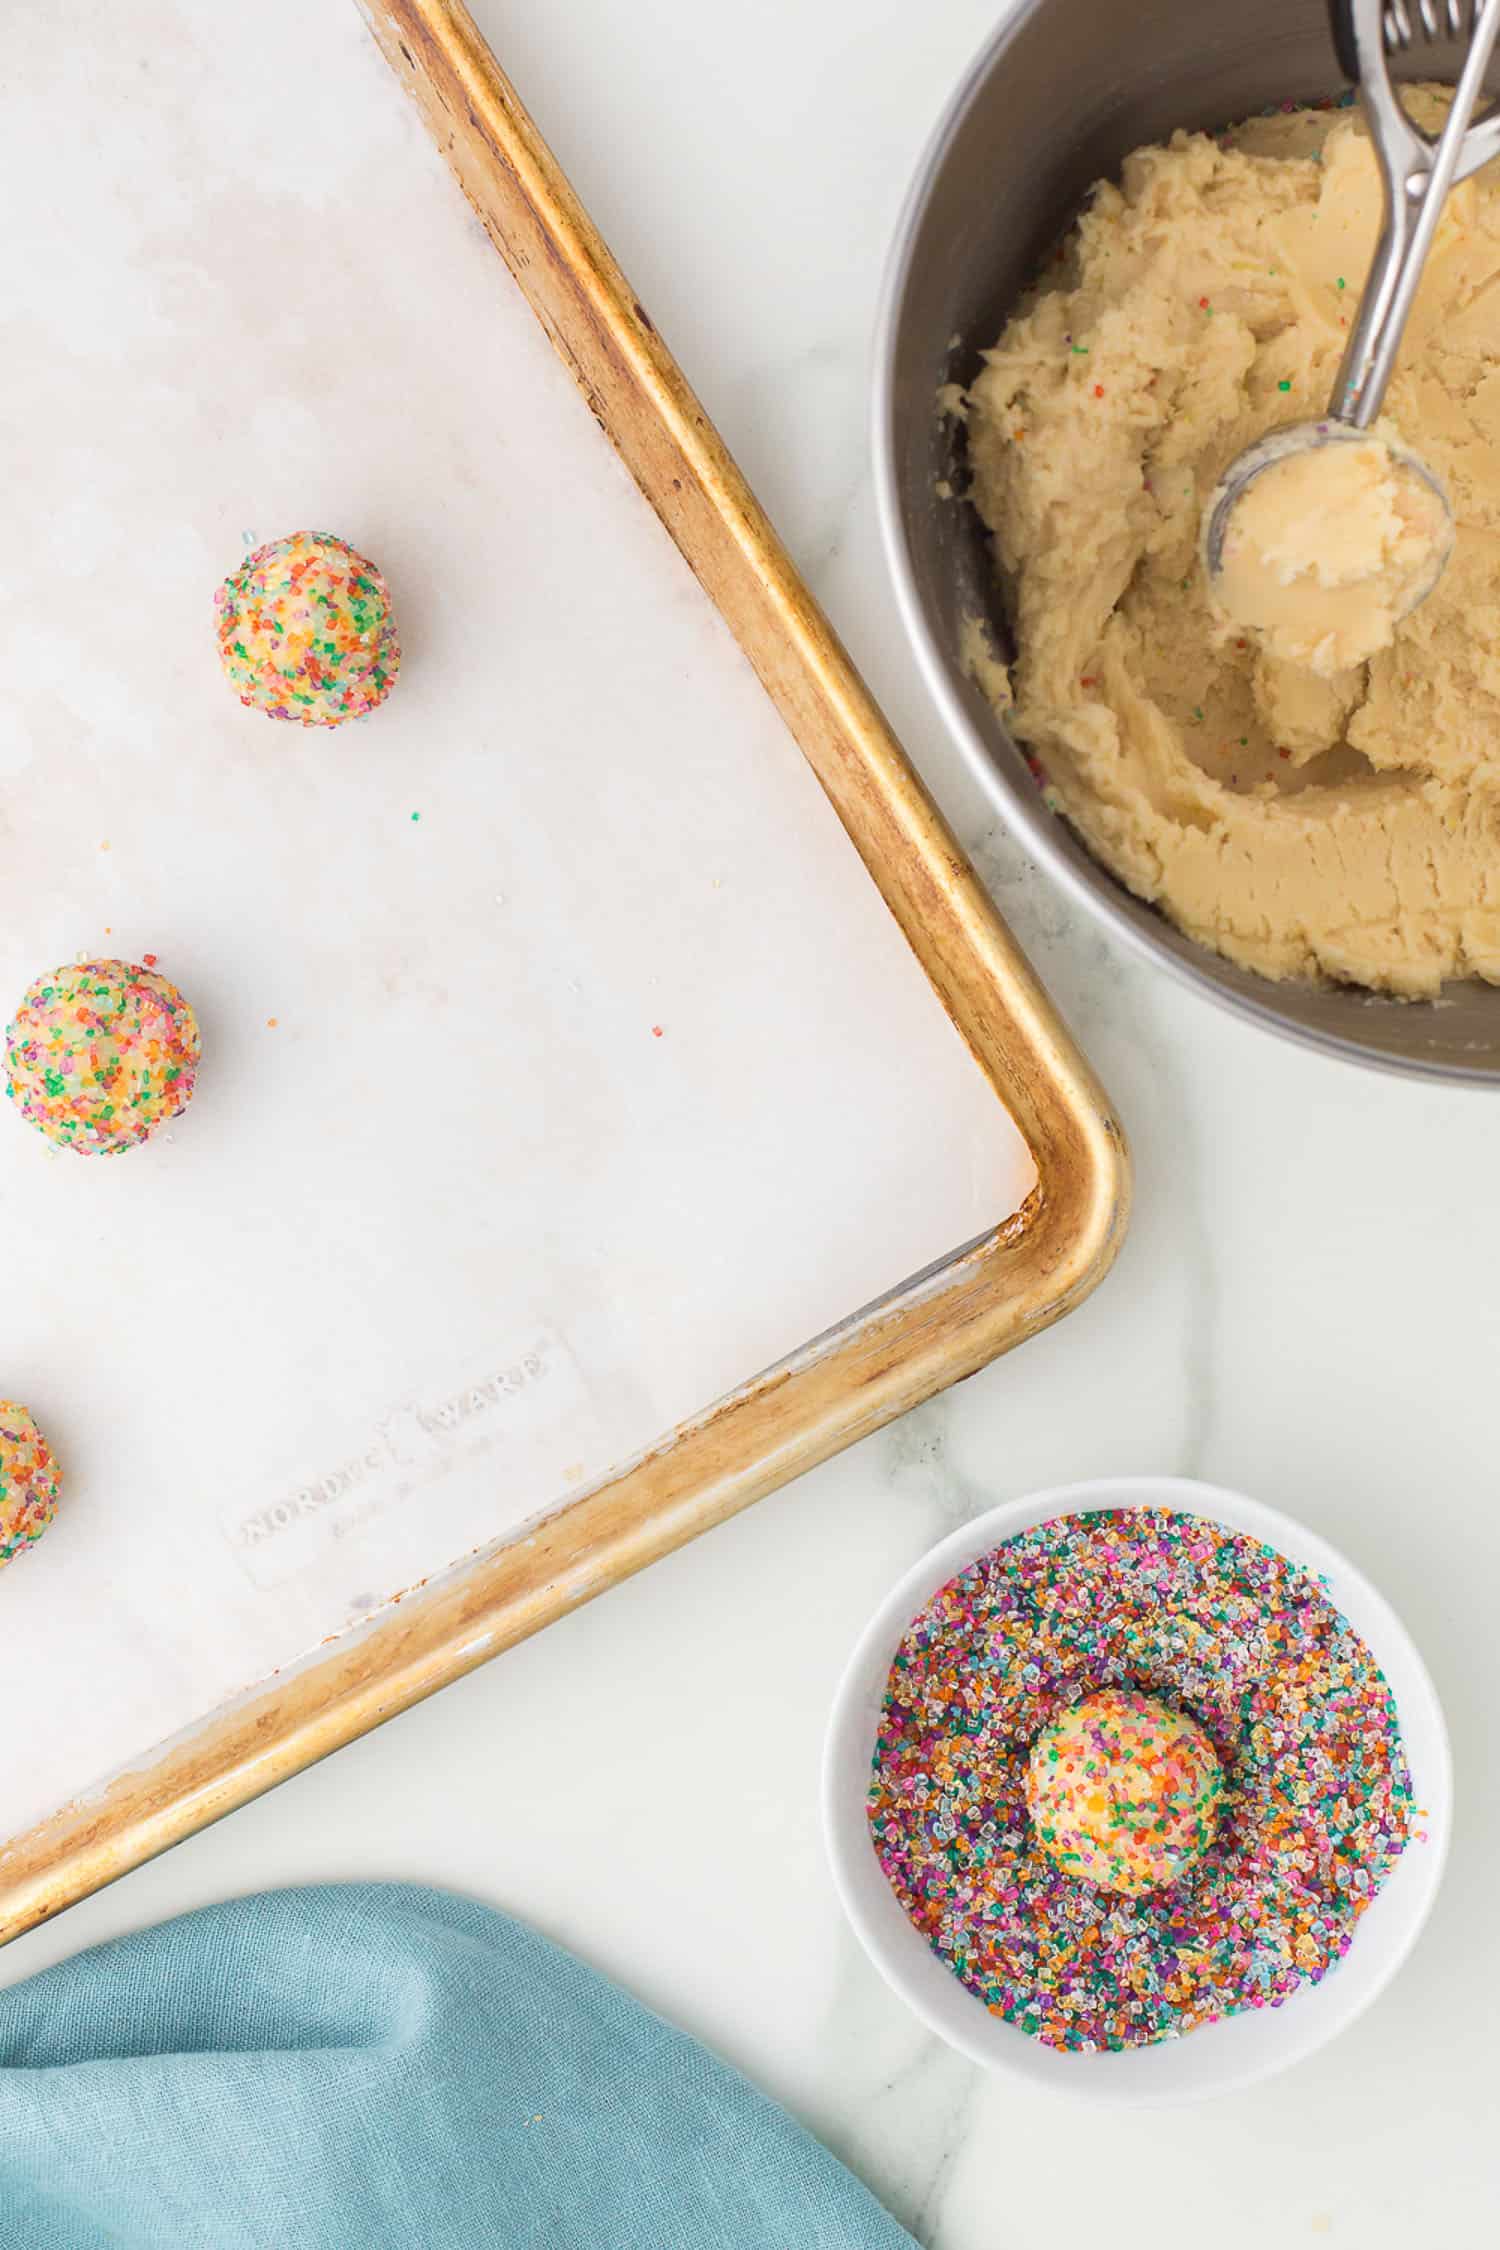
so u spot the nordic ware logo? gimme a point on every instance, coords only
(412, 1446)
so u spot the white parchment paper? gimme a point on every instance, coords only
(593, 1047)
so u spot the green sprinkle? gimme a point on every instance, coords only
(1340, 282)
(416, 816)
(1284, 384)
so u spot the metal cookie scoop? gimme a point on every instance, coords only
(1417, 170)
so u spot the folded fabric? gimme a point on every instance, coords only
(375, 2064)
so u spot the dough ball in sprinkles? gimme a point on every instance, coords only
(29, 1481)
(101, 1053)
(1204, 1621)
(1123, 1792)
(306, 631)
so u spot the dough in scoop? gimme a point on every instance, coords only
(1327, 549)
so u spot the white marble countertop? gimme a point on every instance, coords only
(1304, 1310)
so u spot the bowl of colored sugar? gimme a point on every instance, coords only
(1138, 1789)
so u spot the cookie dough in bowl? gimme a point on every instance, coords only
(1341, 822)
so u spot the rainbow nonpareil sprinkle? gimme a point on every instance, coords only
(306, 631)
(29, 1481)
(1317, 1800)
(100, 1053)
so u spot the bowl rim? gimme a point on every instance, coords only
(846, 1835)
(1040, 828)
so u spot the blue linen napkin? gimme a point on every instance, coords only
(379, 2067)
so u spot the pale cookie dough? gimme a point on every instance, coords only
(1327, 549)
(1303, 824)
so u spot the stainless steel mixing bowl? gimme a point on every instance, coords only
(1061, 93)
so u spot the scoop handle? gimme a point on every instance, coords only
(1416, 174)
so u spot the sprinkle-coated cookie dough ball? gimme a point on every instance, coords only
(1123, 1792)
(99, 1054)
(306, 631)
(29, 1481)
